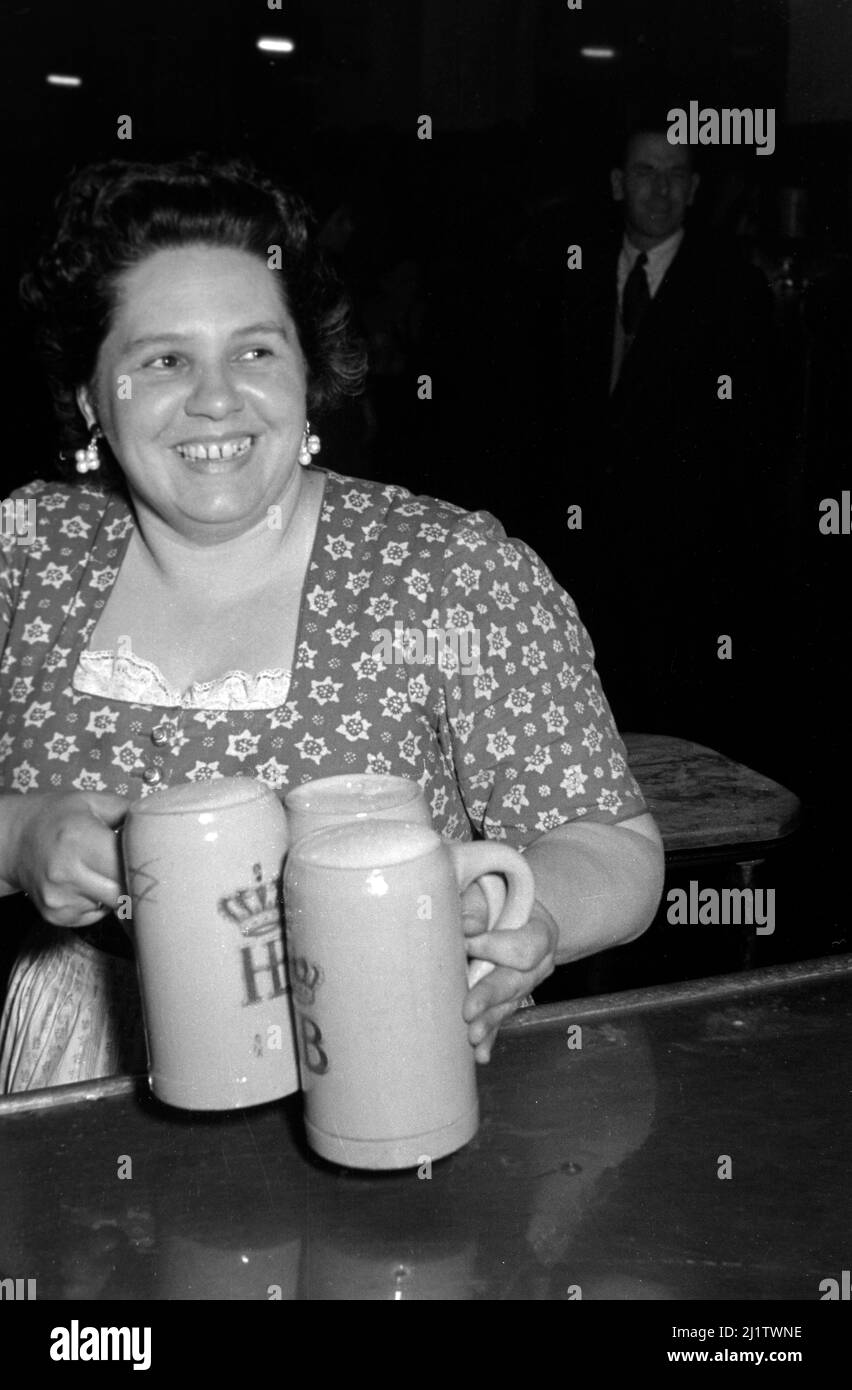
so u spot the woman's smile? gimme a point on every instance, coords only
(216, 451)
(217, 458)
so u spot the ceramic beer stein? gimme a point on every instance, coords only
(362, 796)
(203, 865)
(359, 796)
(377, 963)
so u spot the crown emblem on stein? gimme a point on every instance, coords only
(256, 910)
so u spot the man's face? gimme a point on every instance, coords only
(656, 185)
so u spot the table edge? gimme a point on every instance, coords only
(526, 1020)
(681, 993)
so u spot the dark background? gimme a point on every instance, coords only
(454, 249)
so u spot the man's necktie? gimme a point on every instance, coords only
(636, 296)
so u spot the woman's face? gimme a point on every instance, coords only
(200, 389)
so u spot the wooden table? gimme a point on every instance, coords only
(706, 805)
(595, 1169)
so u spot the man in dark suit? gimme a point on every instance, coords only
(664, 440)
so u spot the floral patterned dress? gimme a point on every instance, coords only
(429, 646)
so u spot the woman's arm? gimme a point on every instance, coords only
(596, 886)
(601, 884)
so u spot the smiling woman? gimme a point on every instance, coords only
(206, 607)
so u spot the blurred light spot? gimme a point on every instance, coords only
(276, 45)
(59, 79)
(597, 52)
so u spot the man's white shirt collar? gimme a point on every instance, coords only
(659, 259)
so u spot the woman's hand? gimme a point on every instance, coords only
(523, 959)
(65, 854)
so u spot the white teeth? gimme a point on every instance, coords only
(227, 451)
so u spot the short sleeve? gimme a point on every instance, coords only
(533, 739)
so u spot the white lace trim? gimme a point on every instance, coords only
(122, 676)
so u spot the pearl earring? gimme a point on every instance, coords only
(88, 459)
(311, 445)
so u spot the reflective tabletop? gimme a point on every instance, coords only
(681, 1142)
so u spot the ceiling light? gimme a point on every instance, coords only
(59, 79)
(276, 45)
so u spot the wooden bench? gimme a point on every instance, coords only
(709, 807)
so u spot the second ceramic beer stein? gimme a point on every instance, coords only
(328, 801)
(377, 962)
(359, 796)
(203, 864)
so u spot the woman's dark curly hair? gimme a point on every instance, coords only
(112, 215)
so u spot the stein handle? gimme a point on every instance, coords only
(482, 861)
